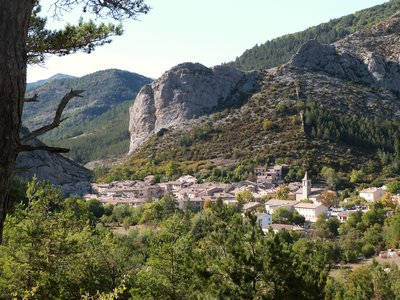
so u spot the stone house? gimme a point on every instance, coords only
(100, 187)
(269, 175)
(278, 227)
(195, 203)
(260, 171)
(187, 193)
(143, 192)
(344, 215)
(273, 204)
(224, 196)
(251, 206)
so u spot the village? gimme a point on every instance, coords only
(302, 198)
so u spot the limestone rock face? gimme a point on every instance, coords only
(55, 168)
(184, 92)
(325, 58)
(370, 56)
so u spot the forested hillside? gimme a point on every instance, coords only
(97, 124)
(228, 145)
(104, 136)
(280, 50)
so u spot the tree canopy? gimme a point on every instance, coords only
(58, 248)
(85, 36)
(28, 41)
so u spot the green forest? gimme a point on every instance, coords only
(380, 136)
(104, 136)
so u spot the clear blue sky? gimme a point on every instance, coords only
(207, 31)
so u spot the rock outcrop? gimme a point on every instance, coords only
(369, 56)
(325, 58)
(72, 178)
(184, 92)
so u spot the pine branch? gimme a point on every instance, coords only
(27, 148)
(115, 9)
(57, 118)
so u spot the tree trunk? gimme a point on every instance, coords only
(14, 22)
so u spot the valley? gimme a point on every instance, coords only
(274, 176)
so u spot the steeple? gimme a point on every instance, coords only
(306, 186)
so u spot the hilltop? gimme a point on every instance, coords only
(35, 84)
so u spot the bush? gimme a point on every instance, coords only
(368, 250)
(267, 124)
(393, 187)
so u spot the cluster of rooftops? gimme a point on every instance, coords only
(187, 191)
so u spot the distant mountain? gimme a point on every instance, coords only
(105, 92)
(32, 85)
(278, 51)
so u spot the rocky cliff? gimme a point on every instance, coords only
(55, 168)
(184, 92)
(359, 74)
(369, 56)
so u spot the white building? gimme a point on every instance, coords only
(264, 219)
(188, 179)
(372, 194)
(310, 211)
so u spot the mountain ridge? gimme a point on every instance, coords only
(279, 50)
(121, 86)
(35, 84)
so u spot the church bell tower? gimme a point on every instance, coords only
(306, 186)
